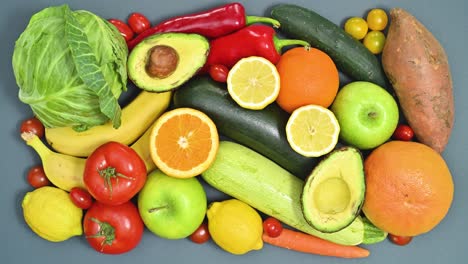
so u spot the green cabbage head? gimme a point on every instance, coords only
(70, 67)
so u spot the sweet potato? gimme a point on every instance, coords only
(417, 67)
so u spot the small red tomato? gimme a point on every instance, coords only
(219, 72)
(33, 125)
(37, 178)
(201, 235)
(403, 132)
(400, 240)
(123, 28)
(272, 227)
(138, 22)
(81, 198)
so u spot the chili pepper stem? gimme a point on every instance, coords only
(249, 20)
(280, 43)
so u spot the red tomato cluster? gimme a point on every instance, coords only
(137, 23)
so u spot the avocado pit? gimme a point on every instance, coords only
(162, 61)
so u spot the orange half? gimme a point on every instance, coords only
(184, 142)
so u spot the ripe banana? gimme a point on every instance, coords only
(137, 116)
(62, 170)
(66, 172)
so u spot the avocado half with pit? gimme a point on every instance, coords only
(334, 192)
(164, 61)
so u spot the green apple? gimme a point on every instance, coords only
(170, 207)
(367, 114)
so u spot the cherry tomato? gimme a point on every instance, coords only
(37, 177)
(81, 198)
(356, 27)
(400, 240)
(114, 173)
(272, 227)
(374, 41)
(377, 19)
(33, 125)
(138, 22)
(123, 28)
(219, 72)
(113, 229)
(403, 132)
(201, 234)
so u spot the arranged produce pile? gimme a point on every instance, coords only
(312, 165)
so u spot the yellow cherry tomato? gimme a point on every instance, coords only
(356, 27)
(377, 19)
(374, 41)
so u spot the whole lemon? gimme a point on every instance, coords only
(235, 226)
(51, 214)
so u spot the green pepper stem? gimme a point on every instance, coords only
(249, 20)
(281, 43)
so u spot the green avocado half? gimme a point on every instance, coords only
(164, 61)
(334, 192)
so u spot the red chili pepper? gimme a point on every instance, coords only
(211, 23)
(253, 40)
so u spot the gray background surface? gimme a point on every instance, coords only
(445, 244)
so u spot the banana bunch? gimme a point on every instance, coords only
(65, 166)
(137, 116)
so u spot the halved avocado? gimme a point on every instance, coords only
(164, 61)
(334, 192)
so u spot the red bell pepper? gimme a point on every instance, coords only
(253, 40)
(211, 23)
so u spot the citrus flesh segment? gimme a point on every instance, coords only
(253, 83)
(312, 130)
(184, 142)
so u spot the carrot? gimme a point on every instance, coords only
(306, 243)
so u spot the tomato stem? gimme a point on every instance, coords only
(109, 173)
(106, 231)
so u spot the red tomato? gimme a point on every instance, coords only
(81, 198)
(272, 227)
(219, 72)
(400, 240)
(33, 125)
(113, 229)
(403, 132)
(123, 28)
(138, 22)
(37, 177)
(201, 235)
(114, 173)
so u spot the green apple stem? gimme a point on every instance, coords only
(372, 114)
(155, 209)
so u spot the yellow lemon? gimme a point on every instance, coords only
(51, 214)
(312, 130)
(253, 82)
(235, 226)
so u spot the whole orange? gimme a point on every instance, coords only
(307, 76)
(409, 188)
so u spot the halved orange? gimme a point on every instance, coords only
(184, 142)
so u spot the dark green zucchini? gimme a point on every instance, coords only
(350, 56)
(261, 130)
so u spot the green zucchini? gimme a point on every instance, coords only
(262, 130)
(252, 178)
(350, 56)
